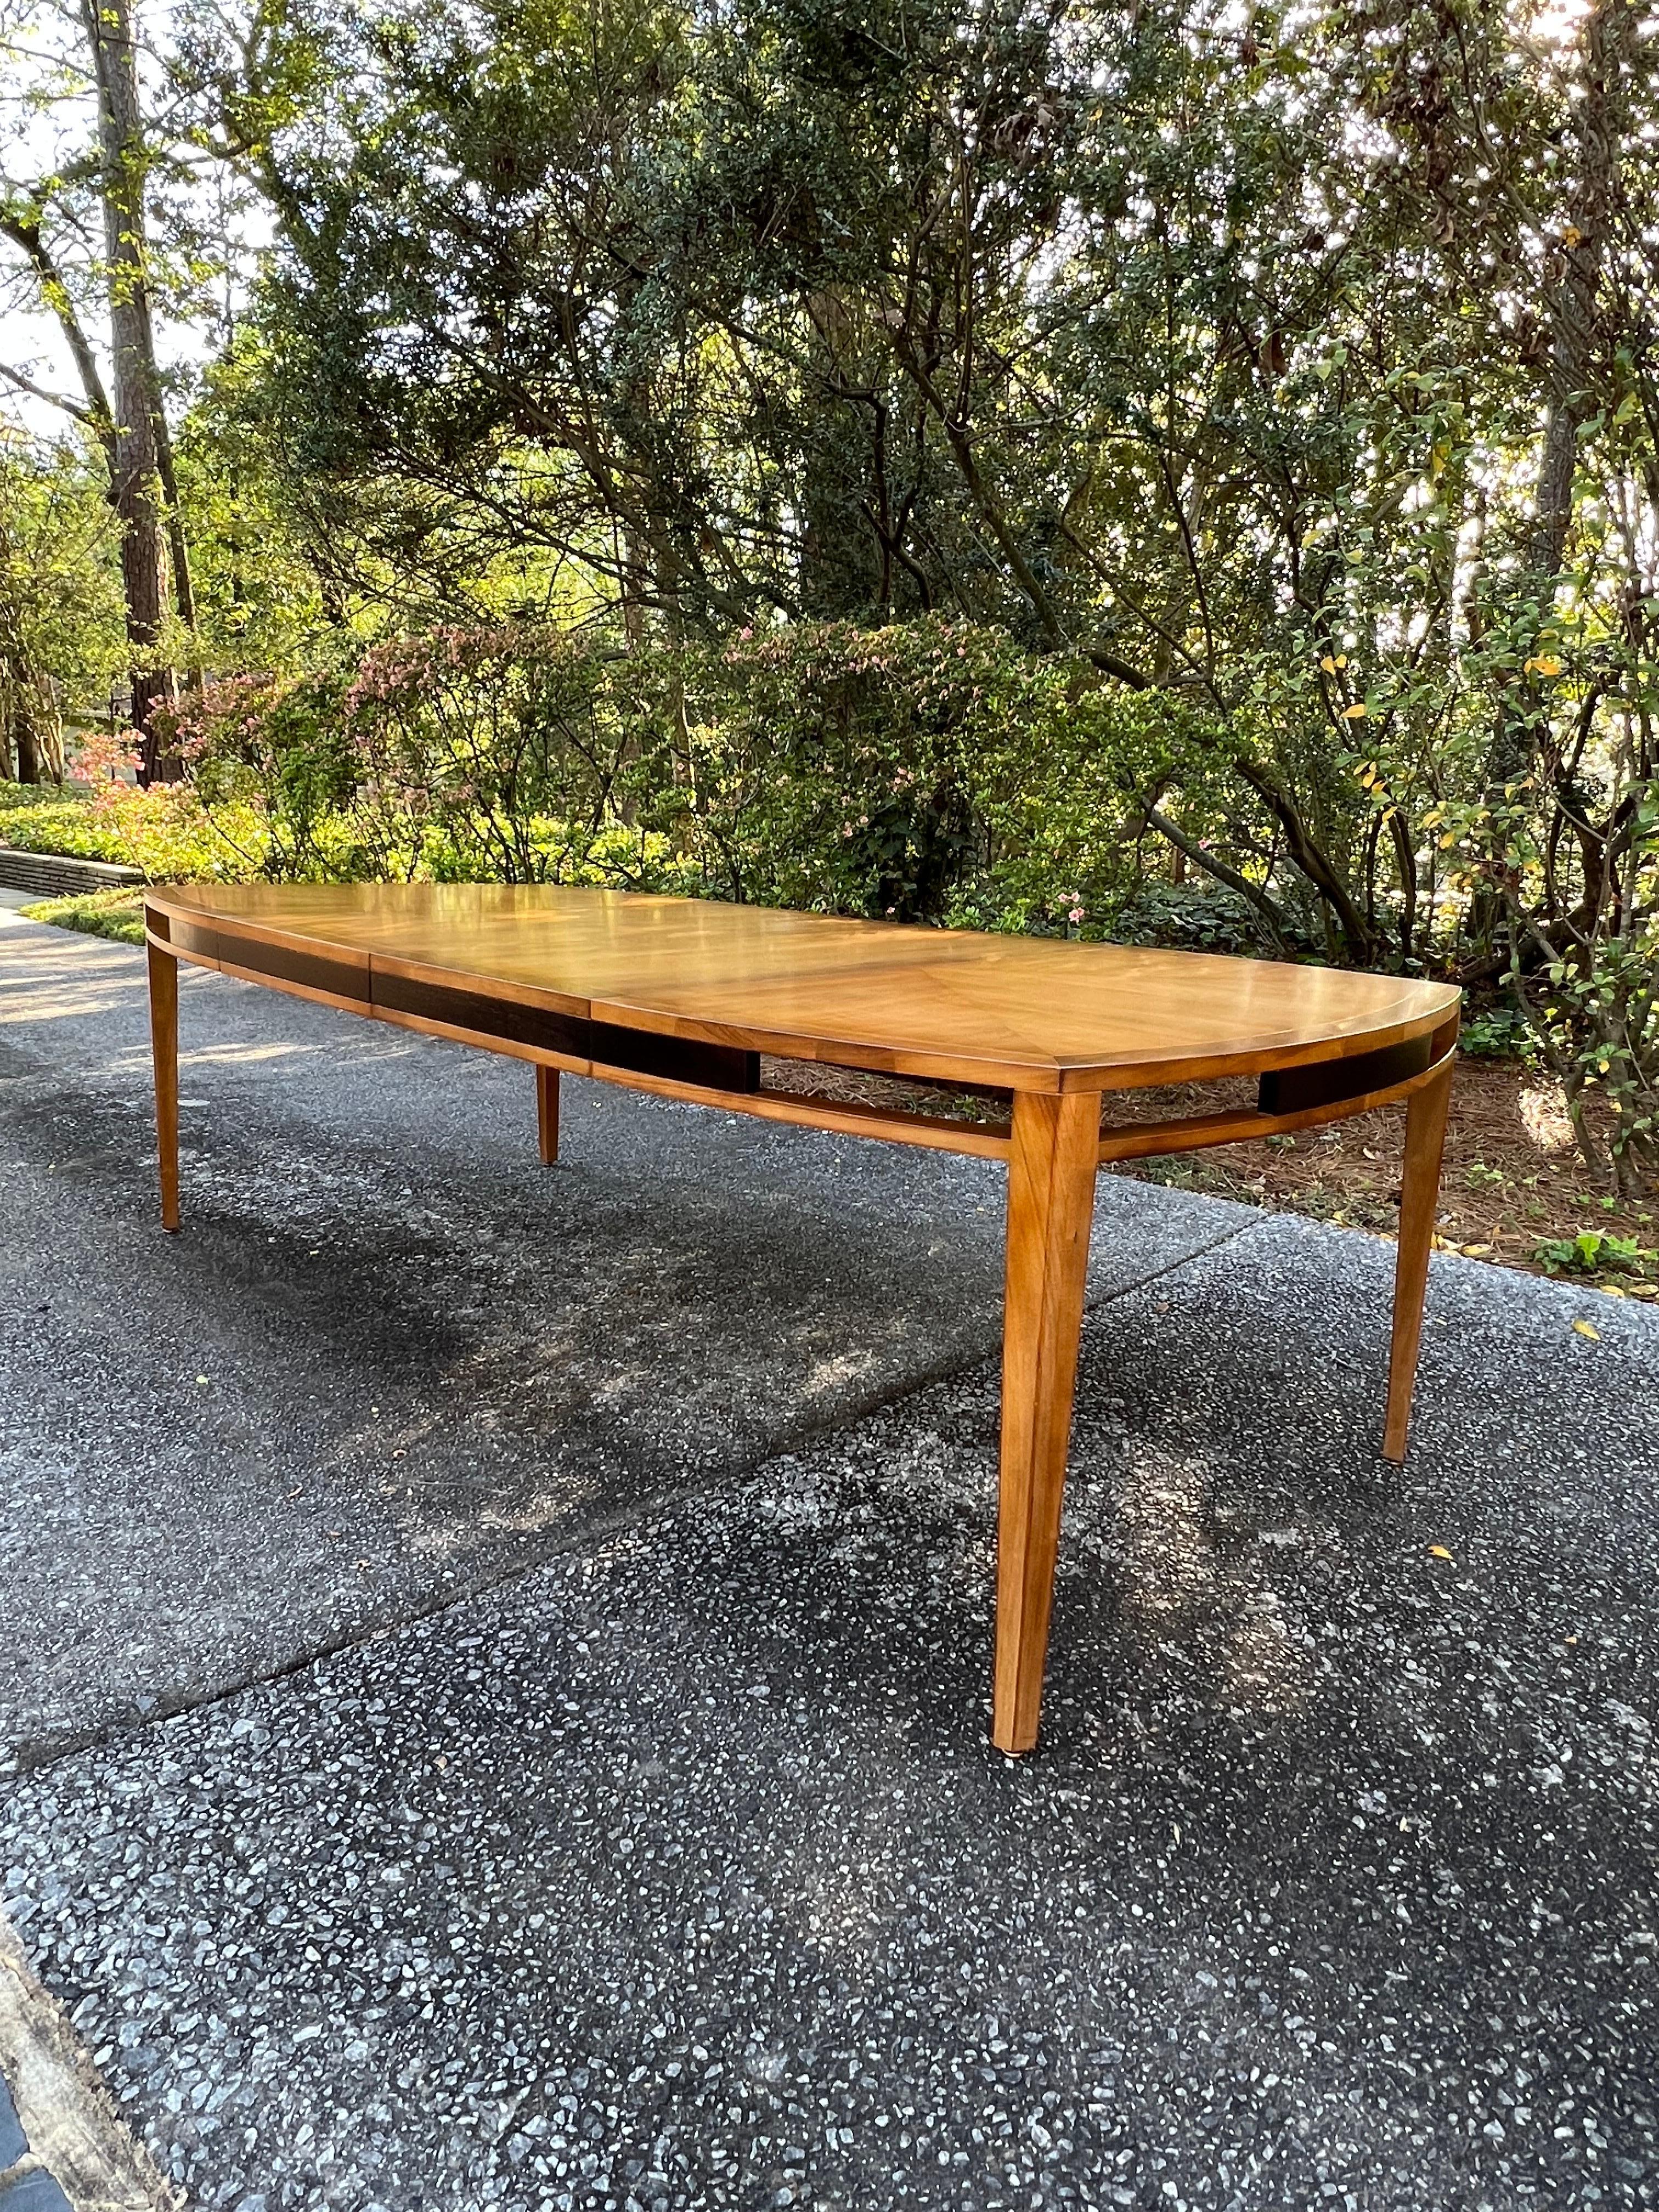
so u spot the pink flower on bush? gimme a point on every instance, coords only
(106, 755)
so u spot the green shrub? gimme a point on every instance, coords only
(929, 771)
(1589, 1252)
(59, 825)
(23, 795)
(1499, 1032)
(167, 833)
(273, 777)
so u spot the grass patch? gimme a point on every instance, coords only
(116, 914)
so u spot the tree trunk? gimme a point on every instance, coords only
(31, 733)
(137, 490)
(1575, 331)
(184, 594)
(31, 729)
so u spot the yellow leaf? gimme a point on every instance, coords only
(1545, 664)
(1572, 236)
(1356, 713)
(1327, 664)
(1439, 1551)
(1588, 1328)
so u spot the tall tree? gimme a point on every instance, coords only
(137, 428)
(124, 412)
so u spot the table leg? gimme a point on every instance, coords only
(1420, 1196)
(1051, 1196)
(164, 1050)
(547, 1111)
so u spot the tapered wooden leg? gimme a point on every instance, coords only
(164, 1048)
(1051, 1199)
(1419, 1198)
(547, 1111)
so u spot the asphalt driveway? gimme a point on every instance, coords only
(495, 1665)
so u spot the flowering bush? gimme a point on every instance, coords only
(491, 753)
(930, 771)
(266, 760)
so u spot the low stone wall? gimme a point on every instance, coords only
(57, 875)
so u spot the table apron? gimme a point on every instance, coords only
(367, 990)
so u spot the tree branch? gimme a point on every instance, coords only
(1269, 909)
(1313, 862)
(15, 376)
(24, 232)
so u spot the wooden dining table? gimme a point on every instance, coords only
(683, 997)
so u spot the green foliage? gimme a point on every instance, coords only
(166, 832)
(17, 796)
(488, 752)
(56, 825)
(259, 544)
(269, 772)
(1498, 1032)
(1193, 917)
(1168, 471)
(1592, 1251)
(60, 621)
(1298, 386)
(872, 772)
